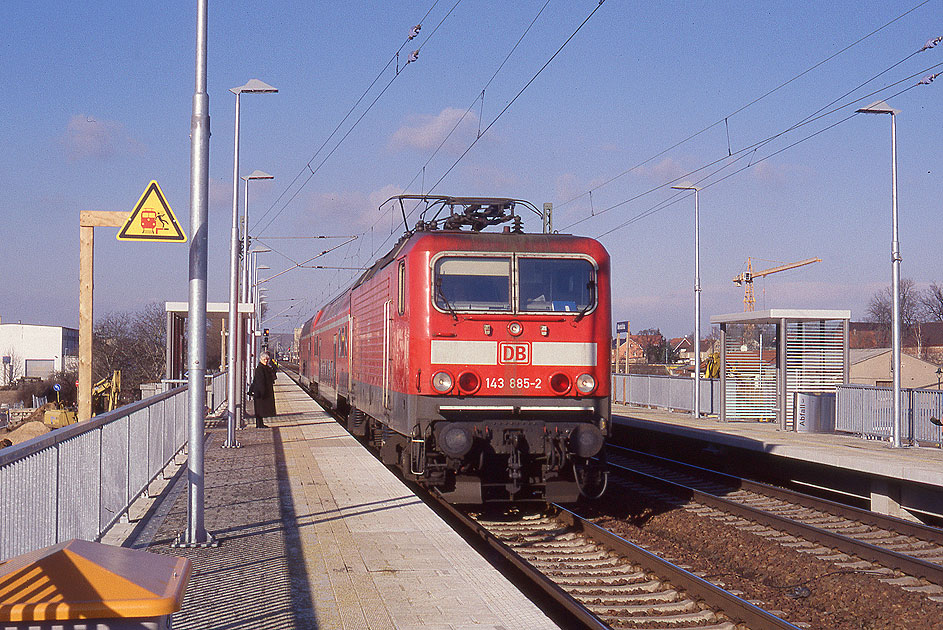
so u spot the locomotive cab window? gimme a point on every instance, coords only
(566, 285)
(472, 284)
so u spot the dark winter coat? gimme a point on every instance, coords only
(263, 390)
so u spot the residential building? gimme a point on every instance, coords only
(872, 366)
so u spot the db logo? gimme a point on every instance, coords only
(509, 352)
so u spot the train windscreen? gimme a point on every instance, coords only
(556, 284)
(473, 284)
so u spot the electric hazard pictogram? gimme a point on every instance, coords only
(152, 219)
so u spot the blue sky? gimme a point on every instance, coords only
(98, 103)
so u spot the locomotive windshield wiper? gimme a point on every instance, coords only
(591, 285)
(440, 293)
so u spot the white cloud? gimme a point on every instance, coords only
(426, 132)
(770, 173)
(492, 180)
(350, 212)
(664, 171)
(573, 192)
(87, 138)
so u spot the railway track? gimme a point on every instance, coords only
(605, 581)
(864, 540)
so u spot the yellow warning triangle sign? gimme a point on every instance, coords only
(152, 219)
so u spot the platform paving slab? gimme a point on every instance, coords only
(873, 457)
(314, 532)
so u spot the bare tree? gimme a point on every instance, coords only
(932, 300)
(12, 366)
(912, 311)
(133, 342)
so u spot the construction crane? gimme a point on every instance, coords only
(746, 278)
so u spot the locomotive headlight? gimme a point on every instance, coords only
(585, 383)
(442, 382)
(515, 328)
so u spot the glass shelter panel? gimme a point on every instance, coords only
(750, 372)
(815, 358)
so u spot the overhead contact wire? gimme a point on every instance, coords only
(751, 103)
(480, 97)
(307, 166)
(761, 143)
(664, 204)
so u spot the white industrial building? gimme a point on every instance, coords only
(34, 351)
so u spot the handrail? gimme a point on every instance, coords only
(13, 453)
(77, 481)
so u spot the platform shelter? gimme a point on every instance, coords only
(175, 362)
(768, 356)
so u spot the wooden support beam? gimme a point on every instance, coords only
(102, 218)
(88, 221)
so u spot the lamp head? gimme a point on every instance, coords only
(878, 107)
(254, 86)
(257, 174)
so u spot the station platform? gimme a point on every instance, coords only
(894, 479)
(314, 532)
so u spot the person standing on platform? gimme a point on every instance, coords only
(262, 390)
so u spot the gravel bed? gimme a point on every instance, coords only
(806, 590)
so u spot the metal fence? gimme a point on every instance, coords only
(869, 412)
(669, 392)
(75, 482)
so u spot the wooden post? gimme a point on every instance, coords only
(88, 221)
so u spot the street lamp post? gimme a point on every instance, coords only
(256, 301)
(233, 380)
(196, 533)
(253, 320)
(697, 300)
(252, 298)
(246, 337)
(246, 241)
(880, 107)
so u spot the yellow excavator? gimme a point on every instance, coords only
(105, 393)
(104, 398)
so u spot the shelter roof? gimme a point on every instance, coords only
(774, 315)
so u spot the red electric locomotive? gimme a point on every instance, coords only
(478, 362)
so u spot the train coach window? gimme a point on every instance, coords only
(556, 284)
(401, 292)
(472, 284)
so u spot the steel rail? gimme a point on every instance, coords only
(732, 606)
(716, 597)
(886, 557)
(899, 525)
(548, 586)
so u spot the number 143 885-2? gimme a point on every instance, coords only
(513, 383)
